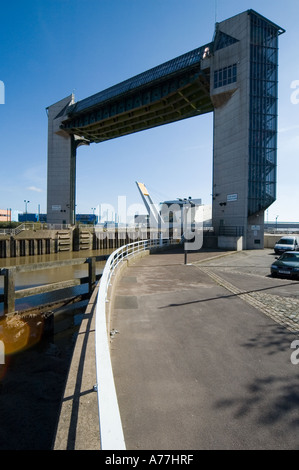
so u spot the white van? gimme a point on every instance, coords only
(288, 243)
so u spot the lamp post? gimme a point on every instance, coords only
(276, 222)
(93, 209)
(185, 209)
(26, 202)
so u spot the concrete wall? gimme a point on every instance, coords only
(270, 239)
(36, 242)
(230, 243)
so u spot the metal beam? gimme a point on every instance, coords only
(169, 99)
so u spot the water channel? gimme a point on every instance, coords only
(47, 276)
(32, 380)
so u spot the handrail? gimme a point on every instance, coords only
(7, 231)
(111, 432)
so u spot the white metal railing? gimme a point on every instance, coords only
(25, 226)
(111, 432)
(7, 231)
(33, 226)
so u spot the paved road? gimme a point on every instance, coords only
(201, 358)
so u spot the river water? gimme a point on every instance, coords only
(47, 276)
(32, 380)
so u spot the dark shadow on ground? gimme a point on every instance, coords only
(270, 400)
(228, 296)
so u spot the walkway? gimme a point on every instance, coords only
(78, 424)
(197, 365)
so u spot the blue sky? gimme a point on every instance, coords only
(52, 48)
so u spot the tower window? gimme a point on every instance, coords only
(225, 76)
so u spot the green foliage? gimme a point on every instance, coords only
(9, 224)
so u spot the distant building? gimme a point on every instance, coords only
(173, 212)
(32, 217)
(282, 226)
(141, 219)
(5, 215)
(87, 218)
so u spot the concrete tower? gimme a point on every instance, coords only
(61, 165)
(243, 89)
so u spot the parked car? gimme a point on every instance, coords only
(286, 265)
(286, 244)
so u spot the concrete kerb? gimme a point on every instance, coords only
(215, 257)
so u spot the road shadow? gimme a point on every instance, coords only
(228, 296)
(270, 400)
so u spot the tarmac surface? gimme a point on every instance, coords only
(201, 352)
(201, 355)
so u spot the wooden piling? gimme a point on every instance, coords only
(91, 273)
(9, 289)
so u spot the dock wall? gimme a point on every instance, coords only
(43, 242)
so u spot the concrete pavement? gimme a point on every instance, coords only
(200, 359)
